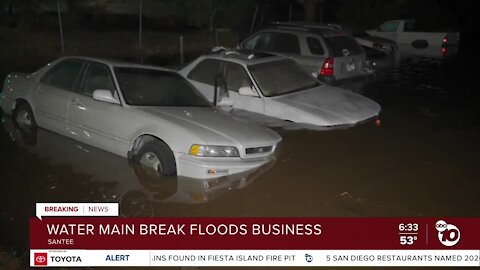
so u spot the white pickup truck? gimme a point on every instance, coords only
(410, 41)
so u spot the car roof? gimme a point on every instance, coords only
(115, 62)
(307, 25)
(325, 30)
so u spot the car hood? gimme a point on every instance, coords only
(215, 126)
(328, 106)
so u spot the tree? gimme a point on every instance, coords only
(369, 13)
(310, 9)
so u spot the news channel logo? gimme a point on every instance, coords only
(448, 234)
(308, 258)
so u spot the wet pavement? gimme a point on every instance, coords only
(422, 161)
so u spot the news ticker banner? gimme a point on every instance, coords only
(113, 241)
(243, 258)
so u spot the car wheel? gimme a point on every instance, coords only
(157, 156)
(23, 116)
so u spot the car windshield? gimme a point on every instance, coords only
(151, 87)
(277, 78)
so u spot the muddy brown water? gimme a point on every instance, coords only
(422, 161)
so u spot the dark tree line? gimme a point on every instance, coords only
(235, 14)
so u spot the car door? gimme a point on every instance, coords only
(96, 122)
(288, 45)
(281, 43)
(52, 95)
(236, 77)
(203, 75)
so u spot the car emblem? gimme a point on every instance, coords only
(345, 52)
(260, 150)
(40, 259)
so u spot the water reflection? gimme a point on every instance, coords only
(134, 186)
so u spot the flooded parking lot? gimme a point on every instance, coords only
(422, 161)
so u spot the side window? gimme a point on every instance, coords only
(63, 74)
(287, 43)
(236, 76)
(98, 76)
(315, 46)
(409, 26)
(205, 71)
(389, 27)
(262, 42)
(250, 44)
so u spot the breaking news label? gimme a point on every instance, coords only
(98, 237)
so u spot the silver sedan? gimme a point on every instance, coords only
(149, 114)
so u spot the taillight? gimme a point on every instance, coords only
(327, 68)
(444, 51)
(444, 45)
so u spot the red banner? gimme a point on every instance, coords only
(254, 233)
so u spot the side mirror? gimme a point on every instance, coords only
(247, 91)
(105, 96)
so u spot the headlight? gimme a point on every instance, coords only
(213, 151)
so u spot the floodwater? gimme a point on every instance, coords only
(423, 161)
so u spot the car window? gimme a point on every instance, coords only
(277, 42)
(315, 46)
(343, 46)
(63, 74)
(286, 43)
(261, 42)
(98, 76)
(250, 44)
(236, 76)
(151, 87)
(389, 27)
(409, 26)
(205, 71)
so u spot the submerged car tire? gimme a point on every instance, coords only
(25, 124)
(24, 118)
(157, 156)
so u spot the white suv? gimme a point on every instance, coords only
(331, 55)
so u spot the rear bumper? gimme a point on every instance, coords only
(204, 168)
(336, 82)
